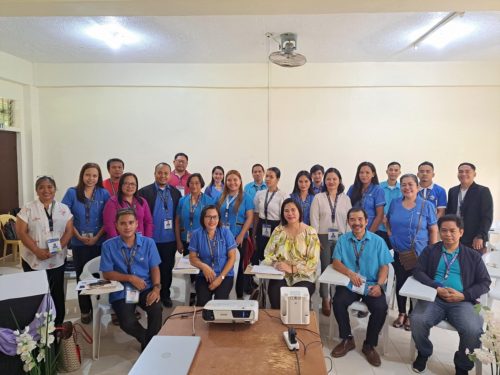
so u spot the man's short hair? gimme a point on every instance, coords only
(451, 217)
(393, 163)
(426, 163)
(357, 209)
(114, 160)
(315, 168)
(181, 154)
(123, 212)
(161, 164)
(258, 165)
(469, 164)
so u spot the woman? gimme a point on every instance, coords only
(303, 194)
(212, 249)
(329, 218)
(293, 249)
(236, 209)
(45, 227)
(412, 226)
(216, 186)
(188, 211)
(86, 202)
(267, 212)
(127, 197)
(366, 193)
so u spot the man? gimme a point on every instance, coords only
(163, 199)
(115, 169)
(460, 277)
(364, 258)
(429, 190)
(180, 175)
(317, 172)
(258, 181)
(474, 204)
(392, 191)
(133, 260)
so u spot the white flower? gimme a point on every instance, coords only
(41, 356)
(27, 367)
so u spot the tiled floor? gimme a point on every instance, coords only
(119, 351)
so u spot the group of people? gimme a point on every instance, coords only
(318, 223)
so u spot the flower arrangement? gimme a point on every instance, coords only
(489, 353)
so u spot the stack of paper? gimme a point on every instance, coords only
(268, 270)
(183, 264)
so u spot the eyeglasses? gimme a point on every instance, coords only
(129, 184)
(214, 217)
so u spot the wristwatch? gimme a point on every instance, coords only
(157, 286)
(222, 277)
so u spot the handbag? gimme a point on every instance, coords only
(70, 357)
(408, 258)
(9, 230)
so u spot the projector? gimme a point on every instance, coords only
(231, 311)
(295, 305)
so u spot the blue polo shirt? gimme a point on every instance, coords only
(212, 192)
(434, 194)
(373, 197)
(404, 224)
(391, 193)
(252, 188)
(163, 210)
(87, 217)
(375, 254)
(454, 278)
(221, 245)
(235, 220)
(146, 257)
(184, 209)
(305, 205)
(317, 189)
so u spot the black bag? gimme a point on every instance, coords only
(9, 230)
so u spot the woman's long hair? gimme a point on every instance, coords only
(80, 187)
(357, 188)
(136, 194)
(225, 192)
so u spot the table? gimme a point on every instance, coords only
(186, 274)
(251, 349)
(415, 289)
(261, 278)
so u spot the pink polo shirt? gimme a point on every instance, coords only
(180, 182)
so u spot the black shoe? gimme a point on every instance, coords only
(192, 299)
(419, 364)
(460, 371)
(167, 302)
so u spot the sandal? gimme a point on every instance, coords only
(400, 321)
(406, 324)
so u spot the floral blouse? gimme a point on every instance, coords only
(301, 252)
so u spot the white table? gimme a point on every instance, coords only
(415, 289)
(333, 277)
(186, 274)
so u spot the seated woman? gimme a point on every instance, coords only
(212, 249)
(294, 249)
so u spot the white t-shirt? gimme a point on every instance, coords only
(321, 213)
(39, 230)
(274, 204)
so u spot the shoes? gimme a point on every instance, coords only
(407, 325)
(419, 364)
(345, 346)
(399, 322)
(192, 299)
(371, 355)
(86, 318)
(167, 302)
(460, 371)
(326, 307)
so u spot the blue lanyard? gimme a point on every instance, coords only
(88, 205)
(357, 253)
(129, 261)
(164, 198)
(448, 264)
(333, 208)
(213, 247)
(192, 209)
(266, 202)
(228, 204)
(49, 216)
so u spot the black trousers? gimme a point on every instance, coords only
(401, 276)
(167, 252)
(203, 294)
(385, 237)
(274, 290)
(125, 313)
(261, 241)
(56, 286)
(81, 255)
(377, 306)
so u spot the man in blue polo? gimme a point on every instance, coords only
(364, 258)
(392, 190)
(429, 190)
(133, 260)
(460, 277)
(258, 182)
(317, 172)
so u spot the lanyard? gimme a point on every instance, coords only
(333, 208)
(266, 202)
(129, 261)
(448, 264)
(88, 205)
(130, 205)
(49, 216)
(212, 247)
(192, 209)
(164, 196)
(228, 203)
(358, 254)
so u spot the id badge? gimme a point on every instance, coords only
(266, 230)
(167, 224)
(54, 245)
(181, 189)
(333, 234)
(131, 294)
(188, 236)
(362, 288)
(87, 235)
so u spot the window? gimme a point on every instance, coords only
(6, 113)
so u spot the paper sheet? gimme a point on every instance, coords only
(183, 264)
(269, 270)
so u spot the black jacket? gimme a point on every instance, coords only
(475, 278)
(149, 194)
(476, 211)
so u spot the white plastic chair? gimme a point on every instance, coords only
(492, 259)
(100, 307)
(232, 294)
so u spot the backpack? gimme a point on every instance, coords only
(9, 230)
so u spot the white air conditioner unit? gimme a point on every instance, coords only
(295, 305)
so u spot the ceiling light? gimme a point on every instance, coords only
(113, 34)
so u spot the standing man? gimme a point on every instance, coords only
(429, 190)
(162, 199)
(474, 204)
(115, 169)
(133, 260)
(364, 258)
(317, 172)
(392, 191)
(460, 277)
(258, 183)
(180, 175)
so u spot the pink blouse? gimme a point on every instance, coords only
(142, 211)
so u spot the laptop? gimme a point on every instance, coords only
(167, 354)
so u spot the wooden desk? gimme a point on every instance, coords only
(248, 349)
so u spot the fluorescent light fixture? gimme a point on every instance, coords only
(113, 34)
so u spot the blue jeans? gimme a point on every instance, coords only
(460, 315)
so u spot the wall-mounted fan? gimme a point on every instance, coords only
(287, 56)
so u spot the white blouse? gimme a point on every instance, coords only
(274, 204)
(38, 229)
(321, 213)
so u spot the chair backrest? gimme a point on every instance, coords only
(23, 284)
(6, 217)
(390, 283)
(232, 295)
(492, 257)
(91, 267)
